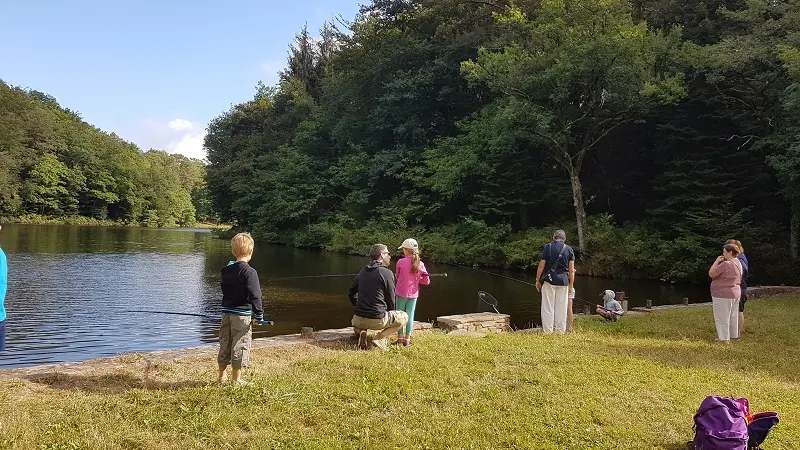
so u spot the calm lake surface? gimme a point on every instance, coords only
(70, 288)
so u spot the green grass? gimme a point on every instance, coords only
(631, 385)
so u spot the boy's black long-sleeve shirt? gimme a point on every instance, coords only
(241, 290)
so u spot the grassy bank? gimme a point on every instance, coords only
(632, 385)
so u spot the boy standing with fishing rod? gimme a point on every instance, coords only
(410, 273)
(241, 301)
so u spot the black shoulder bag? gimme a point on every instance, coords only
(548, 276)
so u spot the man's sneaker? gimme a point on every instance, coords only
(381, 344)
(362, 340)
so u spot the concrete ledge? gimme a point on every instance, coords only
(757, 292)
(530, 330)
(753, 293)
(346, 333)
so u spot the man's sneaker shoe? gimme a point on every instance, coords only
(381, 344)
(362, 341)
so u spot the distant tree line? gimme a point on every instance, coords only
(55, 165)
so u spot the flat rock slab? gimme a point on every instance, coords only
(463, 319)
(336, 334)
(530, 330)
(475, 334)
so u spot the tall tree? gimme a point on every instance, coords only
(585, 68)
(752, 70)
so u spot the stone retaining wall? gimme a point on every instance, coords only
(476, 322)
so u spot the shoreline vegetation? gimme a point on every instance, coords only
(613, 251)
(590, 389)
(36, 219)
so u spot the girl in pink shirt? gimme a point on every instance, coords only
(410, 273)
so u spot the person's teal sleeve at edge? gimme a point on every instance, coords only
(3, 284)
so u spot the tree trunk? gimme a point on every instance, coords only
(580, 210)
(794, 233)
(524, 220)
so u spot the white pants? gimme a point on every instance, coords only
(726, 317)
(554, 308)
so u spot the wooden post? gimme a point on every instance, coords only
(620, 296)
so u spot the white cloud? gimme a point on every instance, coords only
(174, 136)
(191, 145)
(180, 124)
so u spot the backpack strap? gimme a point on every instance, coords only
(550, 270)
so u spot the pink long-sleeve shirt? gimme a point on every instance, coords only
(407, 281)
(727, 283)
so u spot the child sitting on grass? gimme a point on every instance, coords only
(611, 309)
(241, 300)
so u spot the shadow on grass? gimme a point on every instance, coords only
(118, 383)
(344, 342)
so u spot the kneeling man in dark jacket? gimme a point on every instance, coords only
(372, 294)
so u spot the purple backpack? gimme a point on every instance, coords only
(720, 424)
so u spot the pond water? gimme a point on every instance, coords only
(70, 288)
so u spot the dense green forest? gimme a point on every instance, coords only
(56, 167)
(651, 130)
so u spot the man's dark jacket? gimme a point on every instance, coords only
(372, 292)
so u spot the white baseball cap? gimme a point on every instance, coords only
(410, 244)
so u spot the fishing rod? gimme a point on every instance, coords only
(524, 282)
(444, 275)
(205, 316)
(259, 322)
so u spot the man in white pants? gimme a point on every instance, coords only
(555, 278)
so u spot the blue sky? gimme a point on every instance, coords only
(154, 72)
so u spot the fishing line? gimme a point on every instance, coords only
(205, 316)
(501, 276)
(443, 275)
